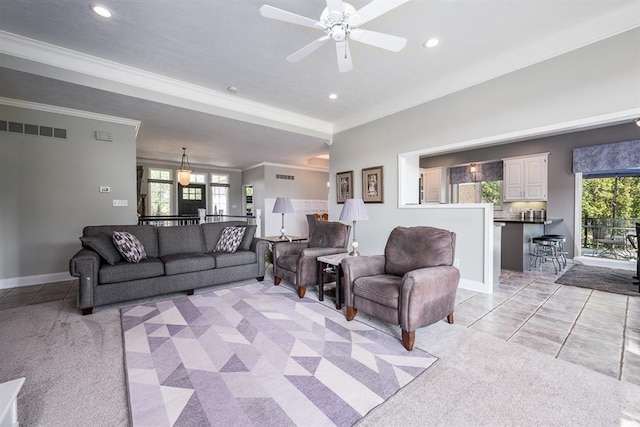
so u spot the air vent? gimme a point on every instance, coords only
(31, 129)
(288, 177)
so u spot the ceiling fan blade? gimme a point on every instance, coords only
(282, 15)
(335, 8)
(381, 40)
(344, 57)
(375, 9)
(302, 53)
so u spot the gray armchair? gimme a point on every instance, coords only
(413, 284)
(296, 261)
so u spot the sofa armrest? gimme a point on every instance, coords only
(260, 247)
(427, 296)
(359, 266)
(85, 265)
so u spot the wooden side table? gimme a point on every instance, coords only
(330, 264)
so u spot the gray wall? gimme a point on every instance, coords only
(597, 80)
(49, 189)
(561, 194)
(308, 184)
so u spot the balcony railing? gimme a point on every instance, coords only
(610, 238)
(201, 218)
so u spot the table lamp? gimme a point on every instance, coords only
(283, 205)
(353, 210)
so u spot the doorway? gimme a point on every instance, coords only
(191, 198)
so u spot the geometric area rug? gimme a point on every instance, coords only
(258, 355)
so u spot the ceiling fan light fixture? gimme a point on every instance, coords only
(101, 10)
(432, 42)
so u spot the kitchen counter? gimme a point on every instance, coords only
(529, 221)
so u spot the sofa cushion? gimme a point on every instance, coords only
(230, 239)
(129, 246)
(145, 233)
(181, 239)
(187, 263)
(410, 248)
(240, 257)
(102, 244)
(383, 289)
(126, 271)
(213, 230)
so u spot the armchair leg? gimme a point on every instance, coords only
(276, 280)
(190, 291)
(450, 318)
(302, 289)
(351, 313)
(408, 338)
(88, 310)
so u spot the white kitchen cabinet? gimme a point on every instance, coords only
(434, 181)
(525, 178)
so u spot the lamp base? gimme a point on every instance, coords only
(354, 253)
(283, 237)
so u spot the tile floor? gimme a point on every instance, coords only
(598, 330)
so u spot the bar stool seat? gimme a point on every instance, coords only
(560, 240)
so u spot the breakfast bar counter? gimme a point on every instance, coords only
(516, 240)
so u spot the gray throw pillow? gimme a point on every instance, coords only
(249, 233)
(104, 246)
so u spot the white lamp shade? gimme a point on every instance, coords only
(283, 205)
(353, 210)
(184, 177)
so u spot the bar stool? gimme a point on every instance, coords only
(545, 249)
(559, 239)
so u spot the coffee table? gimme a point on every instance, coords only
(331, 264)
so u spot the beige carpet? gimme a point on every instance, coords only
(75, 377)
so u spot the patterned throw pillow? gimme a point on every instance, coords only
(129, 246)
(230, 239)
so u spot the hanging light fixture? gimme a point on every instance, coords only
(184, 173)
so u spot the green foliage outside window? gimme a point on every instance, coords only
(598, 197)
(491, 192)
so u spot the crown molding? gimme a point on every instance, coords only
(119, 78)
(70, 112)
(195, 167)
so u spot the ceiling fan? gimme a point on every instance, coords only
(340, 21)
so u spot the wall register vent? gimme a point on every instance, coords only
(288, 177)
(31, 129)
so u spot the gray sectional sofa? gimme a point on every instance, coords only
(179, 258)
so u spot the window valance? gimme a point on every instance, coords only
(490, 171)
(607, 157)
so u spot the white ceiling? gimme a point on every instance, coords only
(168, 63)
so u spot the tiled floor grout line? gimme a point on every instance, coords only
(573, 325)
(534, 312)
(624, 338)
(491, 310)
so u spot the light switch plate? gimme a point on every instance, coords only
(120, 203)
(105, 189)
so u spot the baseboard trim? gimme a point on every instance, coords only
(473, 285)
(16, 282)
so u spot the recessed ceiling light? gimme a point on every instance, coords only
(101, 10)
(431, 43)
(333, 96)
(232, 89)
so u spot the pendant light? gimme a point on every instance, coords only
(184, 173)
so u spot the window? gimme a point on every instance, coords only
(160, 190)
(197, 178)
(220, 193)
(191, 193)
(479, 192)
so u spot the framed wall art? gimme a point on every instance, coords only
(372, 191)
(344, 186)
